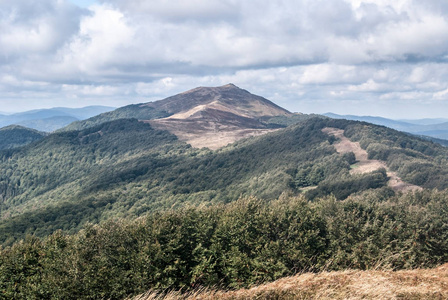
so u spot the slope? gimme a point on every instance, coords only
(349, 284)
(16, 136)
(241, 244)
(365, 165)
(203, 117)
(126, 168)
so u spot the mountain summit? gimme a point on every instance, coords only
(203, 117)
(215, 116)
(228, 98)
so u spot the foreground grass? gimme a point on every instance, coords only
(349, 284)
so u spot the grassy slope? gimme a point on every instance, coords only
(349, 284)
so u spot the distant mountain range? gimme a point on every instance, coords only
(436, 128)
(49, 120)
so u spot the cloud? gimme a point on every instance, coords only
(294, 52)
(180, 10)
(35, 27)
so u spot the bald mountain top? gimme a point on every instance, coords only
(203, 117)
(214, 117)
(227, 98)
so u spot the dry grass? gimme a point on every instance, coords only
(200, 133)
(350, 284)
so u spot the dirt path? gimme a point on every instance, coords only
(365, 165)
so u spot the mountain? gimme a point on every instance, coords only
(48, 124)
(228, 98)
(203, 117)
(53, 118)
(84, 112)
(88, 173)
(398, 125)
(426, 121)
(16, 136)
(121, 206)
(128, 168)
(426, 127)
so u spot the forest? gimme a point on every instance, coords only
(126, 169)
(245, 242)
(115, 209)
(14, 136)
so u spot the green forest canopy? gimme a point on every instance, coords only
(125, 168)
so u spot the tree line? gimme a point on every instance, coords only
(233, 245)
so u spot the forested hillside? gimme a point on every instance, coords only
(233, 245)
(125, 168)
(134, 111)
(14, 136)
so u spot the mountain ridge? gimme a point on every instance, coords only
(84, 212)
(430, 127)
(51, 119)
(203, 117)
(213, 117)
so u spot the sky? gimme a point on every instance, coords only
(367, 57)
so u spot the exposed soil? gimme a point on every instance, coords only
(365, 165)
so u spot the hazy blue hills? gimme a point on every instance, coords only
(426, 121)
(51, 119)
(436, 128)
(48, 124)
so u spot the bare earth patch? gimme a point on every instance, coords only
(349, 284)
(201, 133)
(365, 165)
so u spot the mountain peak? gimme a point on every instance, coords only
(230, 85)
(229, 95)
(211, 90)
(209, 115)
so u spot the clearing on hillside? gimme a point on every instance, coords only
(364, 164)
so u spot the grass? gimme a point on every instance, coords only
(349, 284)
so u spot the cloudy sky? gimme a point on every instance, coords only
(365, 57)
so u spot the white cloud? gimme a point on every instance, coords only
(294, 52)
